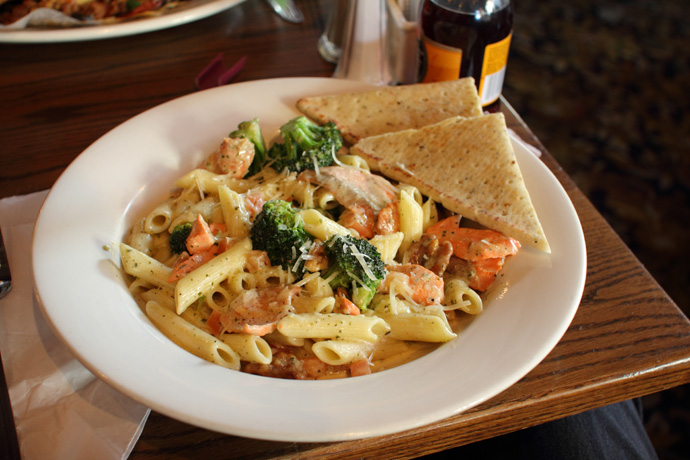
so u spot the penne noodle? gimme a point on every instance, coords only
(320, 226)
(251, 348)
(159, 219)
(412, 191)
(235, 214)
(411, 220)
(460, 296)
(419, 327)
(307, 304)
(201, 281)
(139, 265)
(339, 352)
(430, 213)
(354, 161)
(191, 338)
(333, 326)
(388, 245)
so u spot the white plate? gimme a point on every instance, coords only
(192, 11)
(131, 168)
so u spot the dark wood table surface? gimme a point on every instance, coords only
(627, 339)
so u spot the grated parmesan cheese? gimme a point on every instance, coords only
(361, 258)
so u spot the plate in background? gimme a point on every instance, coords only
(193, 10)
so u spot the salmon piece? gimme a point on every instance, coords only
(213, 323)
(253, 203)
(233, 157)
(359, 218)
(425, 287)
(363, 195)
(314, 367)
(446, 225)
(257, 260)
(217, 228)
(347, 307)
(201, 237)
(187, 263)
(258, 311)
(360, 367)
(472, 243)
(388, 221)
(353, 186)
(478, 274)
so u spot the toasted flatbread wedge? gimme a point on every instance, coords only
(466, 164)
(393, 108)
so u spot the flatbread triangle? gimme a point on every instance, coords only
(393, 108)
(466, 164)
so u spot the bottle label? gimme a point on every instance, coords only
(494, 70)
(443, 62)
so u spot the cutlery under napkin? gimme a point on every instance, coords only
(61, 410)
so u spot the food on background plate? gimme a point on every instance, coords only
(393, 108)
(84, 10)
(291, 265)
(466, 164)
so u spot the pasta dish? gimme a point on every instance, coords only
(297, 261)
(86, 10)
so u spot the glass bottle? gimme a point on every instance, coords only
(462, 38)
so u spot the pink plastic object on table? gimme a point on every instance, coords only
(216, 75)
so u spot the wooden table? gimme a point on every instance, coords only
(628, 338)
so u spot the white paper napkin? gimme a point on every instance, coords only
(61, 410)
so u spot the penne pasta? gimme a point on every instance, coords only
(388, 245)
(191, 338)
(333, 326)
(199, 282)
(324, 199)
(411, 220)
(320, 226)
(430, 213)
(159, 219)
(460, 296)
(412, 191)
(420, 327)
(339, 352)
(308, 304)
(251, 348)
(139, 265)
(235, 214)
(354, 161)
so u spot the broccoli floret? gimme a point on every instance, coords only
(179, 236)
(358, 265)
(252, 131)
(305, 144)
(280, 232)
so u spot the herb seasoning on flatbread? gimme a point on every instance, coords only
(393, 108)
